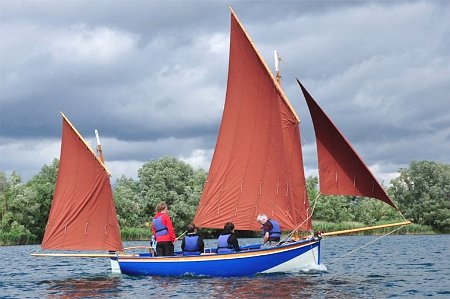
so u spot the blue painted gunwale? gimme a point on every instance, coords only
(244, 263)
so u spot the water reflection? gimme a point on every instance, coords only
(267, 286)
(295, 285)
(378, 271)
(93, 287)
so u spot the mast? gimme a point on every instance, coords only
(85, 143)
(277, 59)
(256, 166)
(99, 148)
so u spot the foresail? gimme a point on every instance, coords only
(257, 165)
(341, 170)
(83, 215)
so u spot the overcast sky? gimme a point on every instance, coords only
(151, 76)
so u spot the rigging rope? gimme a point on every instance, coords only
(367, 244)
(292, 232)
(296, 77)
(178, 238)
(315, 201)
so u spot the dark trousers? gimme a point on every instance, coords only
(164, 248)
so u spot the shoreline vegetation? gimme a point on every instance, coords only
(421, 192)
(144, 234)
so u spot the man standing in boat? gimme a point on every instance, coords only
(270, 229)
(162, 229)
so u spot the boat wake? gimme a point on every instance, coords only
(311, 269)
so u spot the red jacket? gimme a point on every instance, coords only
(168, 223)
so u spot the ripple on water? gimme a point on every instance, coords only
(375, 276)
(412, 271)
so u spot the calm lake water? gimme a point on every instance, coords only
(395, 266)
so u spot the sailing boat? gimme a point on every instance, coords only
(257, 167)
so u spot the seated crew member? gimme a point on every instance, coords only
(192, 243)
(270, 229)
(163, 231)
(228, 242)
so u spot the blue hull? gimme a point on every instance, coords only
(287, 257)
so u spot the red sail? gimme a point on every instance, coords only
(341, 170)
(257, 165)
(83, 216)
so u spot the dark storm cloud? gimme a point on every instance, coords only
(151, 76)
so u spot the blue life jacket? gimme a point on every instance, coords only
(275, 232)
(160, 228)
(223, 246)
(191, 245)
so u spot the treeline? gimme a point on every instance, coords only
(422, 193)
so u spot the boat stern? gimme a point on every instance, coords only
(115, 267)
(309, 259)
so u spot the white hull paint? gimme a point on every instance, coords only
(115, 268)
(306, 260)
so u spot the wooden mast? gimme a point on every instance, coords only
(277, 66)
(86, 144)
(99, 147)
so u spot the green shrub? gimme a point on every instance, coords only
(135, 233)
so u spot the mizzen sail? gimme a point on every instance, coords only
(83, 215)
(341, 170)
(257, 165)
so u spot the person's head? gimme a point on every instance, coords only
(262, 218)
(162, 206)
(229, 227)
(190, 228)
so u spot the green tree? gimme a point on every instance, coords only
(312, 183)
(4, 186)
(333, 209)
(423, 193)
(12, 228)
(25, 207)
(175, 182)
(38, 197)
(370, 211)
(129, 204)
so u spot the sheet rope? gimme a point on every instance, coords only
(367, 244)
(287, 237)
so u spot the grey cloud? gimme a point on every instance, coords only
(151, 75)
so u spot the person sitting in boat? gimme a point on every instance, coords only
(162, 229)
(228, 242)
(192, 243)
(270, 229)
